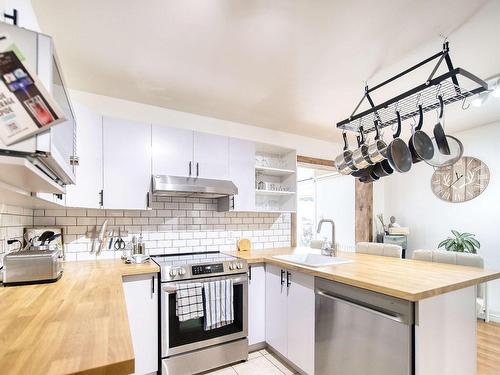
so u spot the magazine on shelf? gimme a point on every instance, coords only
(26, 108)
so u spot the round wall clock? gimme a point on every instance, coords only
(461, 182)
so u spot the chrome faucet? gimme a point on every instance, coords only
(326, 249)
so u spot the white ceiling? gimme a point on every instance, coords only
(292, 65)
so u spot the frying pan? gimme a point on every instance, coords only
(368, 175)
(377, 151)
(398, 153)
(420, 144)
(360, 156)
(439, 134)
(344, 162)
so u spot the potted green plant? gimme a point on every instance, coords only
(461, 242)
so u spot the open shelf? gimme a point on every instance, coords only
(270, 171)
(273, 192)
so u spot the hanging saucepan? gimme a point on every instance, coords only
(368, 175)
(377, 151)
(382, 169)
(454, 148)
(398, 153)
(344, 162)
(439, 134)
(420, 144)
(360, 156)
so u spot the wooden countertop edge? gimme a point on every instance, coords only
(413, 297)
(126, 366)
(114, 270)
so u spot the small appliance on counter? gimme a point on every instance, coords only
(32, 267)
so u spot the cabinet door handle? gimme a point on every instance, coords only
(197, 169)
(190, 165)
(288, 279)
(152, 285)
(282, 277)
(101, 198)
(249, 272)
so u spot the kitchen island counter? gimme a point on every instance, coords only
(78, 324)
(408, 279)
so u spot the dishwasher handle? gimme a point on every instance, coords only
(368, 308)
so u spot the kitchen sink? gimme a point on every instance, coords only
(313, 260)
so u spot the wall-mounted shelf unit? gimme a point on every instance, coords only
(275, 179)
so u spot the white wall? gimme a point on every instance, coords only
(147, 113)
(410, 199)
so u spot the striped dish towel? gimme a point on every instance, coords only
(219, 309)
(189, 301)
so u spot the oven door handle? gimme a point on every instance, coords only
(173, 287)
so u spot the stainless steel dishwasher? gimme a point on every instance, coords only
(360, 332)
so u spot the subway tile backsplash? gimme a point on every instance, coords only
(173, 225)
(13, 220)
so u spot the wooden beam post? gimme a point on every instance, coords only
(364, 212)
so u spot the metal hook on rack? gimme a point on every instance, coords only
(463, 104)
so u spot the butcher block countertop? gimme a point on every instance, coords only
(408, 279)
(78, 324)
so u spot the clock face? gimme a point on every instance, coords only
(461, 182)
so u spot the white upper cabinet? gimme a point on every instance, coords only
(211, 156)
(172, 151)
(85, 193)
(127, 164)
(242, 173)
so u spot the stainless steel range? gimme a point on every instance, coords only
(187, 348)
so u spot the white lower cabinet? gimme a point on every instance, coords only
(141, 295)
(256, 304)
(290, 315)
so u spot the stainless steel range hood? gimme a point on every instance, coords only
(192, 187)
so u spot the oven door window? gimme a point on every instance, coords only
(191, 331)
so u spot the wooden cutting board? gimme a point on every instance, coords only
(244, 244)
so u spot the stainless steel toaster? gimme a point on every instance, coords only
(31, 267)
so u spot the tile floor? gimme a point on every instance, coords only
(262, 362)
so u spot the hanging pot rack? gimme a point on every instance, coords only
(426, 94)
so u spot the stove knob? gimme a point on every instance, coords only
(239, 265)
(182, 271)
(231, 266)
(173, 272)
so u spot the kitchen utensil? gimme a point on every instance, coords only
(439, 134)
(344, 162)
(377, 150)
(244, 244)
(398, 153)
(456, 152)
(420, 144)
(383, 169)
(101, 237)
(368, 175)
(360, 156)
(44, 236)
(52, 238)
(119, 243)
